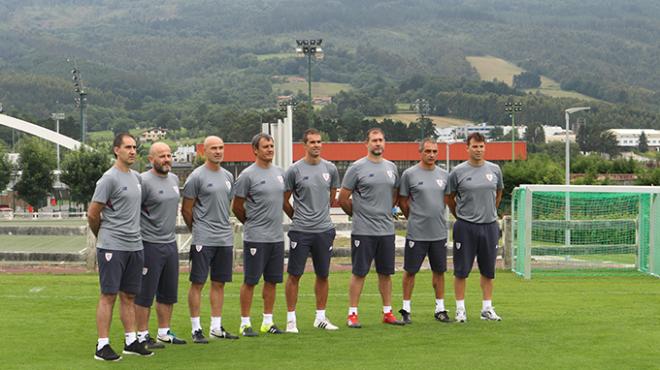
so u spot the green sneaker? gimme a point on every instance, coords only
(272, 329)
(247, 331)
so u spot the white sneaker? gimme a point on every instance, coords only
(461, 316)
(324, 324)
(490, 314)
(291, 327)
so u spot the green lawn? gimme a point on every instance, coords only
(549, 323)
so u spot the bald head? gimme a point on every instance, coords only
(160, 157)
(214, 150)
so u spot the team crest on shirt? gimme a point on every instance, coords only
(253, 251)
(489, 176)
(326, 176)
(145, 270)
(390, 174)
(356, 243)
(198, 248)
(294, 244)
(108, 256)
(411, 243)
(228, 184)
(441, 183)
(280, 179)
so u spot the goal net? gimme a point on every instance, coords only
(585, 230)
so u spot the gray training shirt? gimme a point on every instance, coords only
(372, 185)
(120, 218)
(263, 191)
(160, 203)
(425, 190)
(310, 185)
(476, 191)
(212, 191)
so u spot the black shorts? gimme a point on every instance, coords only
(478, 240)
(367, 248)
(219, 260)
(120, 271)
(265, 259)
(415, 251)
(319, 244)
(160, 274)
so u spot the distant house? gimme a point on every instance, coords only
(184, 154)
(322, 100)
(297, 79)
(153, 134)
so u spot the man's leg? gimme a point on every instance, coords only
(194, 298)
(291, 292)
(438, 281)
(164, 312)
(217, 298)
(247, 293)
(268, 294)
(321, 290)
(385, 288)
(127, 315)
(408, 285)
(486, 288)
(355, 290)
(104, 314)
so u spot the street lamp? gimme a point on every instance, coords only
(81, 100)
(423, 108)
(567, 212)
(309, 48)
(513, 108)
(57, 117)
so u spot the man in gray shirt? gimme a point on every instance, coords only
(368, 193)
(313, 181)
(475, 192)
(119, 250)
(160, 275)
(258, 203)
(421, 198)
(205, 209)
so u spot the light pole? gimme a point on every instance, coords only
(57, 117)
(309, 48)
(567, 211)
(513, 108)
(81, 100)
(423, 108)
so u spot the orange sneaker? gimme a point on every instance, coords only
(353, 321)
(389, 318)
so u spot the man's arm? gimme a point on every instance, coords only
(498, 198)
(333, 195)
(288, 209)
(238, 206)
(450, 201)
(403, 204)
(187, 211)
(395, 197)
(345, 201)
(94, 217)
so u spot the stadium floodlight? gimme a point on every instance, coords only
(513, 108)
(81, 99)
(309, 48)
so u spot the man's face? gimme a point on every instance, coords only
(476, 150)
(266, 150)
(127, 151)
(376, 143)
(429, 153)
(161, 159)
(313, 145)
(214, 150)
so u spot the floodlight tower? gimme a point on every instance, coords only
(309, 48)
(513, 108)
(81, 100)
(423, 109)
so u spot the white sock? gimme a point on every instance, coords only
(486, 304)
(406, 305)
(352, 310)
(101, 343)
(440, 305)
(163, 331)
(130, 338)
(196, 325)
(320, 315)
(142, 335)
(268, 319)
(245, 321)
(291, 316)
(460, 305)
(216, 322)
(387, 309)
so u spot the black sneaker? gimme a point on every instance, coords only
(247, 331)
(137, 348)
(405, 316)
(199, 338)
(222, 334)
(442, 316)
(152, 344)
(170, 338)
(106, 354)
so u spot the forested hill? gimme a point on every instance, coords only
(137, 54)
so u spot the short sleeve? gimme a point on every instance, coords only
(500, 179)
(452, 183)
(103, 190)
(290, 179)
(334, 174)
(404, 186)
(191, 188)
(242, 186)
(350, 178)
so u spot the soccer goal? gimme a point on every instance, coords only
(585, 230)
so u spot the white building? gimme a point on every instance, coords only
(557, 134)
(184, 154)
(445, 134)
(520, 131)
(629, 138)
(153, 134)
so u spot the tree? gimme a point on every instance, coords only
(526, 80)
(643, 143)
(537, 169)
(37, 161)
(82, 168)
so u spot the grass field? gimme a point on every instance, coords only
(318, 88)
(548, 323)
(439, 121)
(34, 243)
(490, 68)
